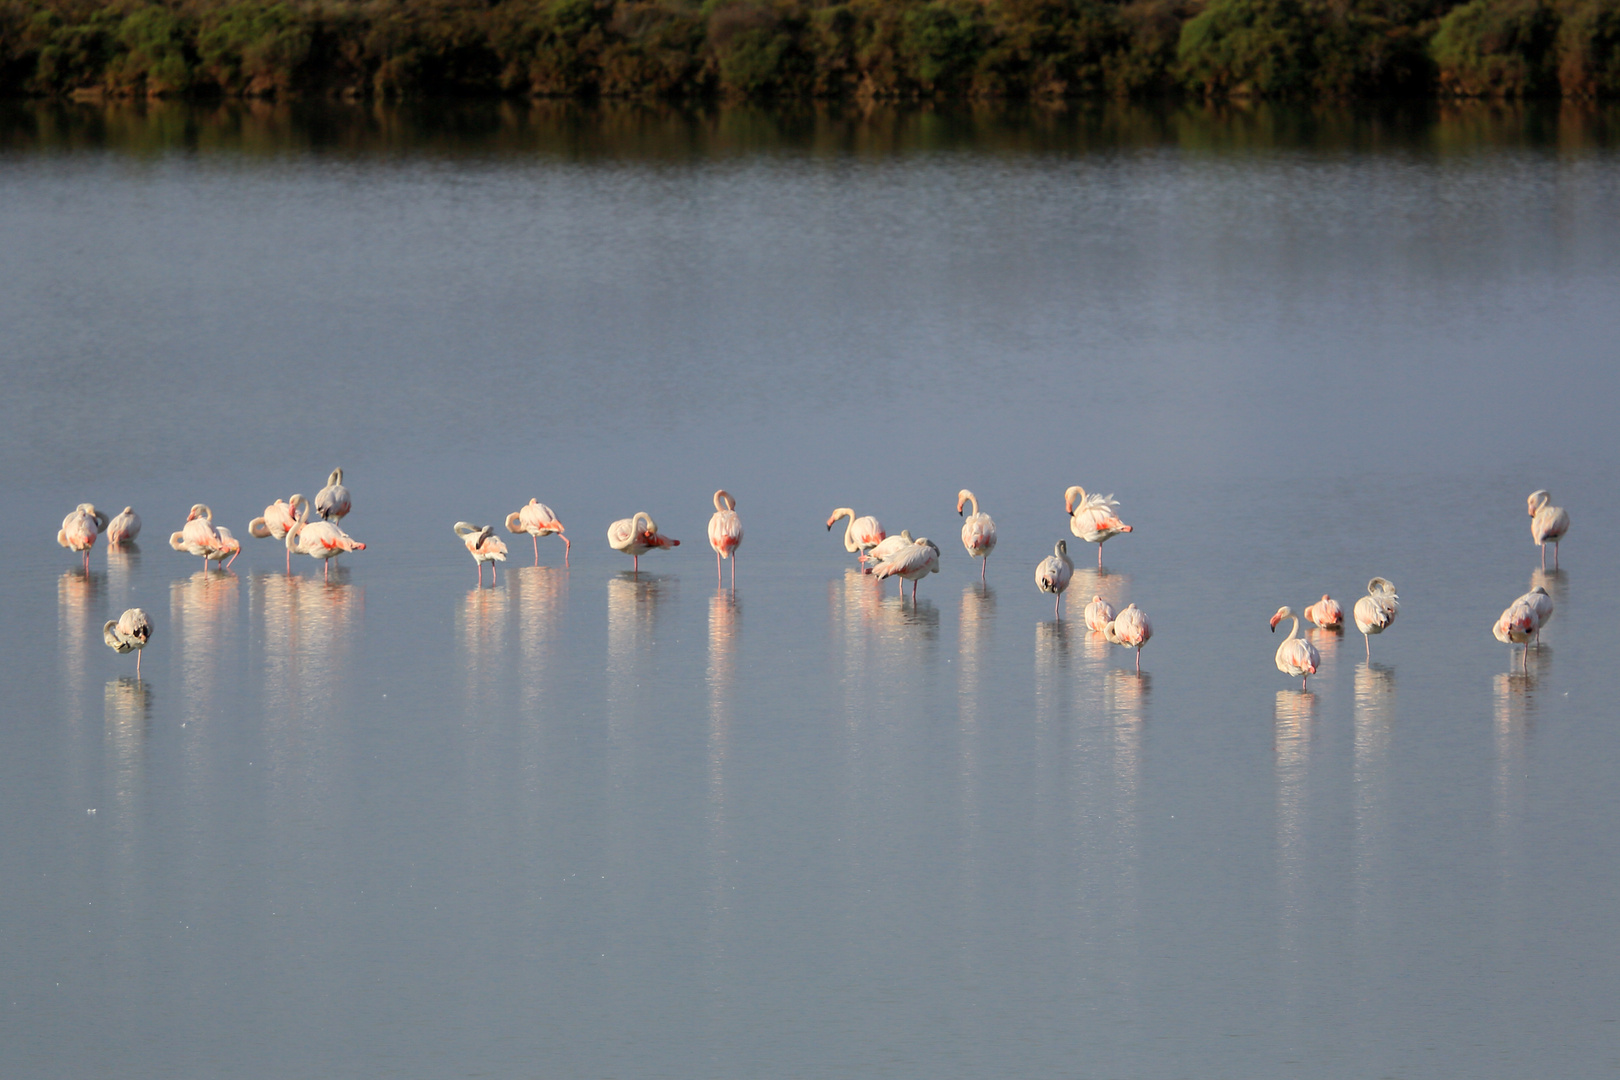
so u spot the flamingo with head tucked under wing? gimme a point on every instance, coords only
(725, 533)
(279, 517)
(123, 529)
(637, 535)
(1099, 613)
(1052, 575)
(1325, 614)
(1132, 629)
(1548, 524)
(1517, 625)
(197, 536)
(1092, 517)
(537, 519)
(483, 546)
(1376, 611)
(978, 531)
(1295, 656)
(80, 529)
(320, 540)
(911, 563)
(332, 501)
(861, 535)
(129, 634)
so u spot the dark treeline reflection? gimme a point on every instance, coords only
(609, 130)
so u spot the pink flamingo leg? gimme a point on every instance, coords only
(1138, 652)
(326, 569)
(734, 571)
(635, 564)
(566, 546)
(494, 579)
(536, 540)
(1368, 640)
(719, 580)
(1099, 556)
(137, 664)
(480, 573)
(984, 568)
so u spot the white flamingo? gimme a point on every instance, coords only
(1092, 517)
(1517, 625)
(483, 546)
(80, 529)
(197, 536)
(129, 634)
(1542, 604)
(861, 535)
(1376, 611)
(978, 531)
(725, 533)
(635, 539)
(123, 529)
(226, 547)
(1326, 614)
(1296, 657)
(912, 563)
(1099, 613)
(320, 540)
(1548, 524)
(1132, 629)
(279, 517)
(332, 501)
(1052, 575)
(537, 519)
(886, 547)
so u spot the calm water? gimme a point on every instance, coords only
(580, 824)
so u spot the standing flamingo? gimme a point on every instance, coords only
(483, 546)
(886, 547)
(1547, 523)
(633, 538)
(1542, 604)
(332, 501)
(320, 540)
(861, 535)
(911, 563)
(279, 517)
(1092, 517)
(537, 519)
(1325, 614)
(1295, 656)
(130, 633)
(1517, 625)
(197, 536)
(123, 529)
(226, 547)
(978, 531)
(1052, 575)
(1132, 629)
(1099, 613)
(725, 533)
(80, 529)
(1375, 611)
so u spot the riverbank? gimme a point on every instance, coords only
(811, 50)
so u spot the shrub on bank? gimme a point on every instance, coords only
(1497, 48)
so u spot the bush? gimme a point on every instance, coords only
(1589, 49)
(1497, 48)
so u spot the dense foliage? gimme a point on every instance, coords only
(799, 49)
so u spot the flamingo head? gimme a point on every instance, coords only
(200, 511)
(1069, 498)
(1537, 500)
(837, 515)
(1284, 612)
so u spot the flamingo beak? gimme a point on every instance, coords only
(1275, 619)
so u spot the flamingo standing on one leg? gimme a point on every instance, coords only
(886, 547)
(861, 535)
(483, 546)
(197, 536)
(635, 539)
(123, 529)
(1132, 629)
(1547, 524)
(1542, 604)
(225, 548)
(279, 517)
(1375, 611)
(80, 529)
(1092, 517)
(1325, 614)
(725, 533)
(1517, 625)
(911, 564)
(537, 519)
(130, 633)
(1295, 656)
(978, 532)
(1052, 575)
(320, 540)
(332, 501)
(1099, 613)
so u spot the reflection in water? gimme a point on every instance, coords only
(78, 626)
(1374, 719)
(202, 616)
(1292, 725)
(977, 617)
(541, 596)
(1514, 714)
(123, 563)
(128, 720)
(725, 615)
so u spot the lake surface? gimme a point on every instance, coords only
(587, 824)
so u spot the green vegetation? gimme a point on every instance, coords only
(776, 50)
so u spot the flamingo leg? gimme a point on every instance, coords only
(913, 592)
(719, 580)
(635, 564)
(1099, 556)
(566, 546)
(984, 567)
(1138, 652)
(480, 573)
(326, 571)
(137, 663)
(733, 571)
(289, 560)
(1544, 557)
(1368, 640)
(1555, 554)
(536, 540)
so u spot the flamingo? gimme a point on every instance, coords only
(634, 539)
(1295, 656)
(197, 536)
(1052, 575)
(1375, 611)
(320, 540)
(978, 532)
(911, 563)
(1092, 517)
(537, 519)
(1325, 614)
(1132, 629)
(861, 535)
(130, 633)
(123, 529)
(1099, 613)
(1517, 625)
(80, 529)
(332, 501)
(227, 546)
(885, 548)
(1538, 599)
(483, 546)
(725, 533)
(279, 517)
(1547, 523)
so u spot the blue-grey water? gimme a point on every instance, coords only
(584, 824)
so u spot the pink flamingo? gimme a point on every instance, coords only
(320, 540)
(1092, 517)
(725, 533)
(123, 529)
(635, 539)
(1132, 629)
(1052, 575)
(978, 531)
(1517, 625)
(279, 517)
(886, 547)
(861, 535)
(911, 564)
(1295, 656)
(1325, 614)
(1099, 613)
(226, 548)
(1376, 611)
(332, 501)
(1538, 600)
(80, 529)
(197, 536)
(130, 633)
(483, 546)
(537, 519)
(1547, 524)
